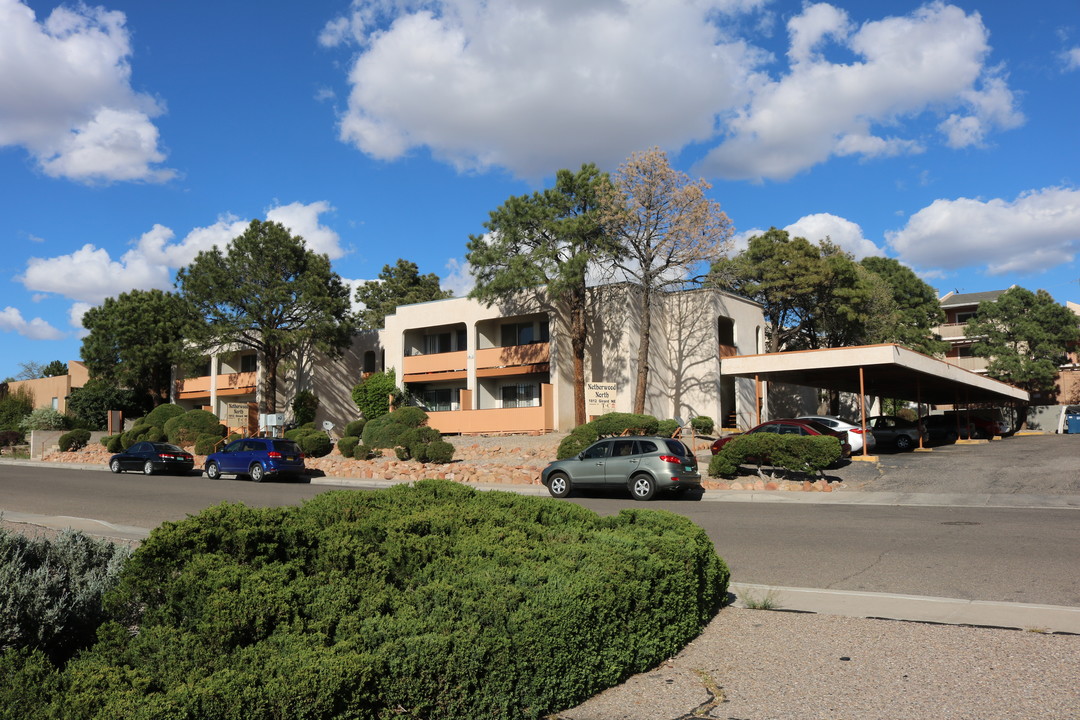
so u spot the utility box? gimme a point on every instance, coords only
(1072, 420)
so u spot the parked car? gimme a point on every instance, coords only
(944, 428)
(645, 466)
(982, 426)
(790, 426)
(152, 457)
(258, 458)
(893, 431)
(854, 431)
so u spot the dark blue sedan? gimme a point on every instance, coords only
(152, 457)
(258, 458)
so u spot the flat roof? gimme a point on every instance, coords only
(889, 371)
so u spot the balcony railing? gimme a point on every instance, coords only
(500, 420)
(229, 383)
(975, 364)
(513, 359)
(952, 331)
(450, 364)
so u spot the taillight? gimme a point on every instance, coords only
(857, 431)
(274, 455)
(672, 459)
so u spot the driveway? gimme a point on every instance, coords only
(1022, 464)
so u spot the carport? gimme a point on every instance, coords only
(883, 370)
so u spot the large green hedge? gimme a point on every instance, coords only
(431, 601)
(808, 454)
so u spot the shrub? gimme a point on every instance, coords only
(579, 438)
(702, 425)
(51, 590)
(355, 428)
(791, 453)
(185, 429)
(425, 601)
(206, 444)
(375, 394)
(316, 444)
(15, 406)
(163, 414)
(74, 440)
(304, 406)
(10, 437)
(618, 423)
(667, 428)
(116, 443)
(91, 403)
(43, 419)
(440, 452)
(137, 432)
(363, 452)
(347, 445)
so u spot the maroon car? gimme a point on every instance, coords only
(790, 426)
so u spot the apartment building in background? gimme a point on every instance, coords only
(53, 392)
(508, 368)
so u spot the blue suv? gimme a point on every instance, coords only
(258, 458)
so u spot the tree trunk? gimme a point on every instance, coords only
(269, 397)
(578, 336)
(643, 352)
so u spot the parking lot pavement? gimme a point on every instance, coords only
(1021, 464)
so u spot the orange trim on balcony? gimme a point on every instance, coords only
(498, 420)
(434, 377)
(515, 370)
(227, 384)
(512, 355)
(435, 363)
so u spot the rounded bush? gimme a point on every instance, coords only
(383, 432)
(74, 440)
(316, 444)
(104, 440)
(667, 428)
(702, 425)
(206, 444)
(185, 429)
(355, 428)
(347, 445)
(579, 438)
(116, 444)
(440, 451)
(363, 452)
(163, 414)
(410, 416)
(137, 432)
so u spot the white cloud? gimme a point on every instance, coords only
(458, 277)
(66, 95)
(1071, 58)
(908, 65)
(534, 86)
(843, 232)
(75, 318)
(90, 274)
(1037, 231)
(11, 320)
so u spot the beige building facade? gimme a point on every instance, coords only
(53, 392)
(508, 368)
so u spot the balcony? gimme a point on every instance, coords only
(438, 366)
(975, 364)
(513, 360)
(227, 384)
(539, 419)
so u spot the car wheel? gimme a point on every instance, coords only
(213, 471)
(115, 466)
(903, 442)
(257, 473)
(148, 468)
(559, 485)
(642, 487)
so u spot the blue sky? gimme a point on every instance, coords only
(134, 134)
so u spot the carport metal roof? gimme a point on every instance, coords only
(883, 370)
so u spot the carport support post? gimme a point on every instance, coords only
(862, 409)
(918, 409)
(757, 400)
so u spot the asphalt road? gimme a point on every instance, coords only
(1007, 555)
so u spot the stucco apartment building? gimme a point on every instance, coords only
(960, 307)
(509, 367)
(53, 392)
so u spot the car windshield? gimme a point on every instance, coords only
(166, 447)
(287, 447)
(820, 428)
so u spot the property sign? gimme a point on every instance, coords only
(236, 414)
(600, 397)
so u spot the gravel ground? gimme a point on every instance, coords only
(762, 665)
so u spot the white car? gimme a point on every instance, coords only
(854, 431)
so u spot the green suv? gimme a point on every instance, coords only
(643, 465)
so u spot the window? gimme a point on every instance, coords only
(249, 363)
(369, 361)
(56, 403)
(439, 400)
(964, 351)
(437, 343)
(519, 396)
(622, 448)
(964, 315)
(600, 450)
(524, 333)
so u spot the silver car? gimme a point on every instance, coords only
(854, 431)
(643, 465)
